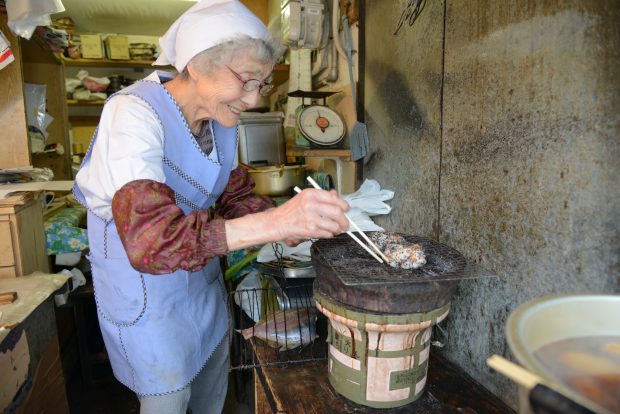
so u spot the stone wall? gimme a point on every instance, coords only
(497, 124)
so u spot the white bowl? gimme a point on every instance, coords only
(553, 318)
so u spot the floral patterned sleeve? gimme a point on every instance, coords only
(237, 200)
(158, 237)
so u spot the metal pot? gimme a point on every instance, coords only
(551, 319)
(277, 180)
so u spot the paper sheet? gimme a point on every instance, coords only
(7, 189)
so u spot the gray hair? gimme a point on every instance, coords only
(265, 51)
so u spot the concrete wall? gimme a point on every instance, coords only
(402, 86)
(498, 126)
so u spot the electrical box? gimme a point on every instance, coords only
(304, 23)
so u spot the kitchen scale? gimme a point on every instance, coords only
(317, 125)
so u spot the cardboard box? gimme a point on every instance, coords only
(117, 47)
(91, 46)
(14, 362)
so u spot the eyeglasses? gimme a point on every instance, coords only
(251, 85)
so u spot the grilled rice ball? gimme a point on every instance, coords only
(400, 253)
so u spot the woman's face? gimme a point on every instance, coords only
(220, 95)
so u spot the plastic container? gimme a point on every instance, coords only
(378, 360)
(261, 139)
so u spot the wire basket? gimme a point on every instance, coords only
(275, 325)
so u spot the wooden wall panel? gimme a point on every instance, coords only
(52, 75)
(13, 130)
(259, 8)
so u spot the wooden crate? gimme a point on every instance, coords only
(22, 236)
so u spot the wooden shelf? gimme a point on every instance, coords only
(292, 388)
(83, 120)
(107, 63)
(318, 152)
(280, 72)
(75, 102)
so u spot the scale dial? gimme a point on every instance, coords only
(320, 125)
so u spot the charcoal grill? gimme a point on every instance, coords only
(347, 274)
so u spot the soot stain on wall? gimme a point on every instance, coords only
(402, 95)
(529, 167)
(399, 102)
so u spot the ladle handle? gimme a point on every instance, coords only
(545, 400)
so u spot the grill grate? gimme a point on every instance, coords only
(353, 266)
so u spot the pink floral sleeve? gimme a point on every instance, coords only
(237, 200)
(159, 238)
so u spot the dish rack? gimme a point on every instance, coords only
(280, 322)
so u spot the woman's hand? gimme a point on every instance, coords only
(311, 214)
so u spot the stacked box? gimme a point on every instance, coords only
(117, 47)
(91, 46)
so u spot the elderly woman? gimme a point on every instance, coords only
(165, 199)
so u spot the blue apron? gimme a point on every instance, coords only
(160, 330)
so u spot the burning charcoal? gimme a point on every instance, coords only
(285, 329)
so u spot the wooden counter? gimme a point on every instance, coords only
(33, 380)
(305, 388)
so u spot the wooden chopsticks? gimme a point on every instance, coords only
(376, 253)
(513, 371)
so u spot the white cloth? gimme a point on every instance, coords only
(25, 15)
(301, 252)
(368, 201)
(370, 198)
(204, 25)
(129, 146)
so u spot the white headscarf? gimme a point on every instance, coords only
(204, 25)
